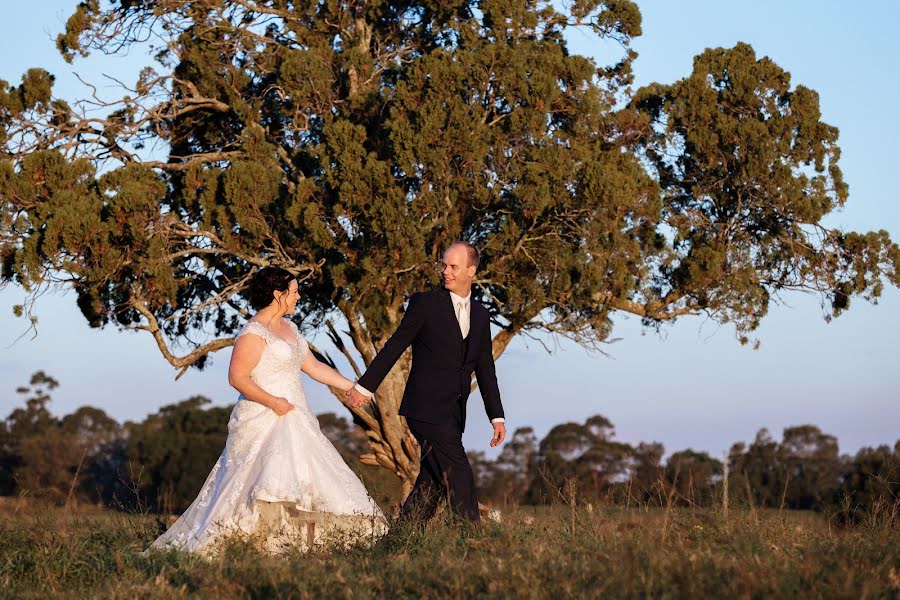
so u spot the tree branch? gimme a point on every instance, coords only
(179, 362)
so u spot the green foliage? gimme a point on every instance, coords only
(506, 480)
(805, 471)
(160, 462)
(869, 485)
(43, 456)
(82, 19)
(352, 144)
(693, 477)
(748, 171)
(584, 454)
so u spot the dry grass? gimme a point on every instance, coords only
(558, 552)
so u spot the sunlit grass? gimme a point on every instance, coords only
(555, 552)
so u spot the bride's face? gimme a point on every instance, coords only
(287, 300)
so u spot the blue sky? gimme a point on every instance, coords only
(693, 385)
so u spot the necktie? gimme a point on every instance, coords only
(462, 315)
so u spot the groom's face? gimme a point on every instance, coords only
(458, 273)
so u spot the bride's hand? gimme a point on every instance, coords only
(282, 406)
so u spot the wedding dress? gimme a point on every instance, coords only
(279, 479)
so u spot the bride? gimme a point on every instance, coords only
(278, 479)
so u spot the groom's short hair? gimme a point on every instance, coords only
(472, 252)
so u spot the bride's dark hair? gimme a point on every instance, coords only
(265, 283)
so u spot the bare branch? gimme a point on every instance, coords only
(179, 362)
(339, 342)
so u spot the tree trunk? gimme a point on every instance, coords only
(393, 445)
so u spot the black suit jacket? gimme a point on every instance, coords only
(442, 362)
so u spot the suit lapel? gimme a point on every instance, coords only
(450, 313)
(450, 317)
(474, 324)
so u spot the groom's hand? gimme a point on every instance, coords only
(499, 434)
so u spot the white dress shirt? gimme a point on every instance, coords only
(462, 307)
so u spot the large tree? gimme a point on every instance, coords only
(351, 141)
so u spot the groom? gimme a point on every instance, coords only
(451, 337)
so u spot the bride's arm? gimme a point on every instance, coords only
(247, 351)
(324, 374)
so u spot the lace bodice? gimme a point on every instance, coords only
(278, 369)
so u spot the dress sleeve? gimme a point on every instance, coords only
(256, 329)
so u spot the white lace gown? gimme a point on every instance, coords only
(277, 474)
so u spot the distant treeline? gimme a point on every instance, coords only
(157, 464)
(161, 462)
(803, 471)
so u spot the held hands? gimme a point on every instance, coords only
(355, 398)
(282, 406)
(499, 434)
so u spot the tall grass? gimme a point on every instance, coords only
(565, 551)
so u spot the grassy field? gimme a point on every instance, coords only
(534, 553)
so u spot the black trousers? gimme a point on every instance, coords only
(444, 472)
